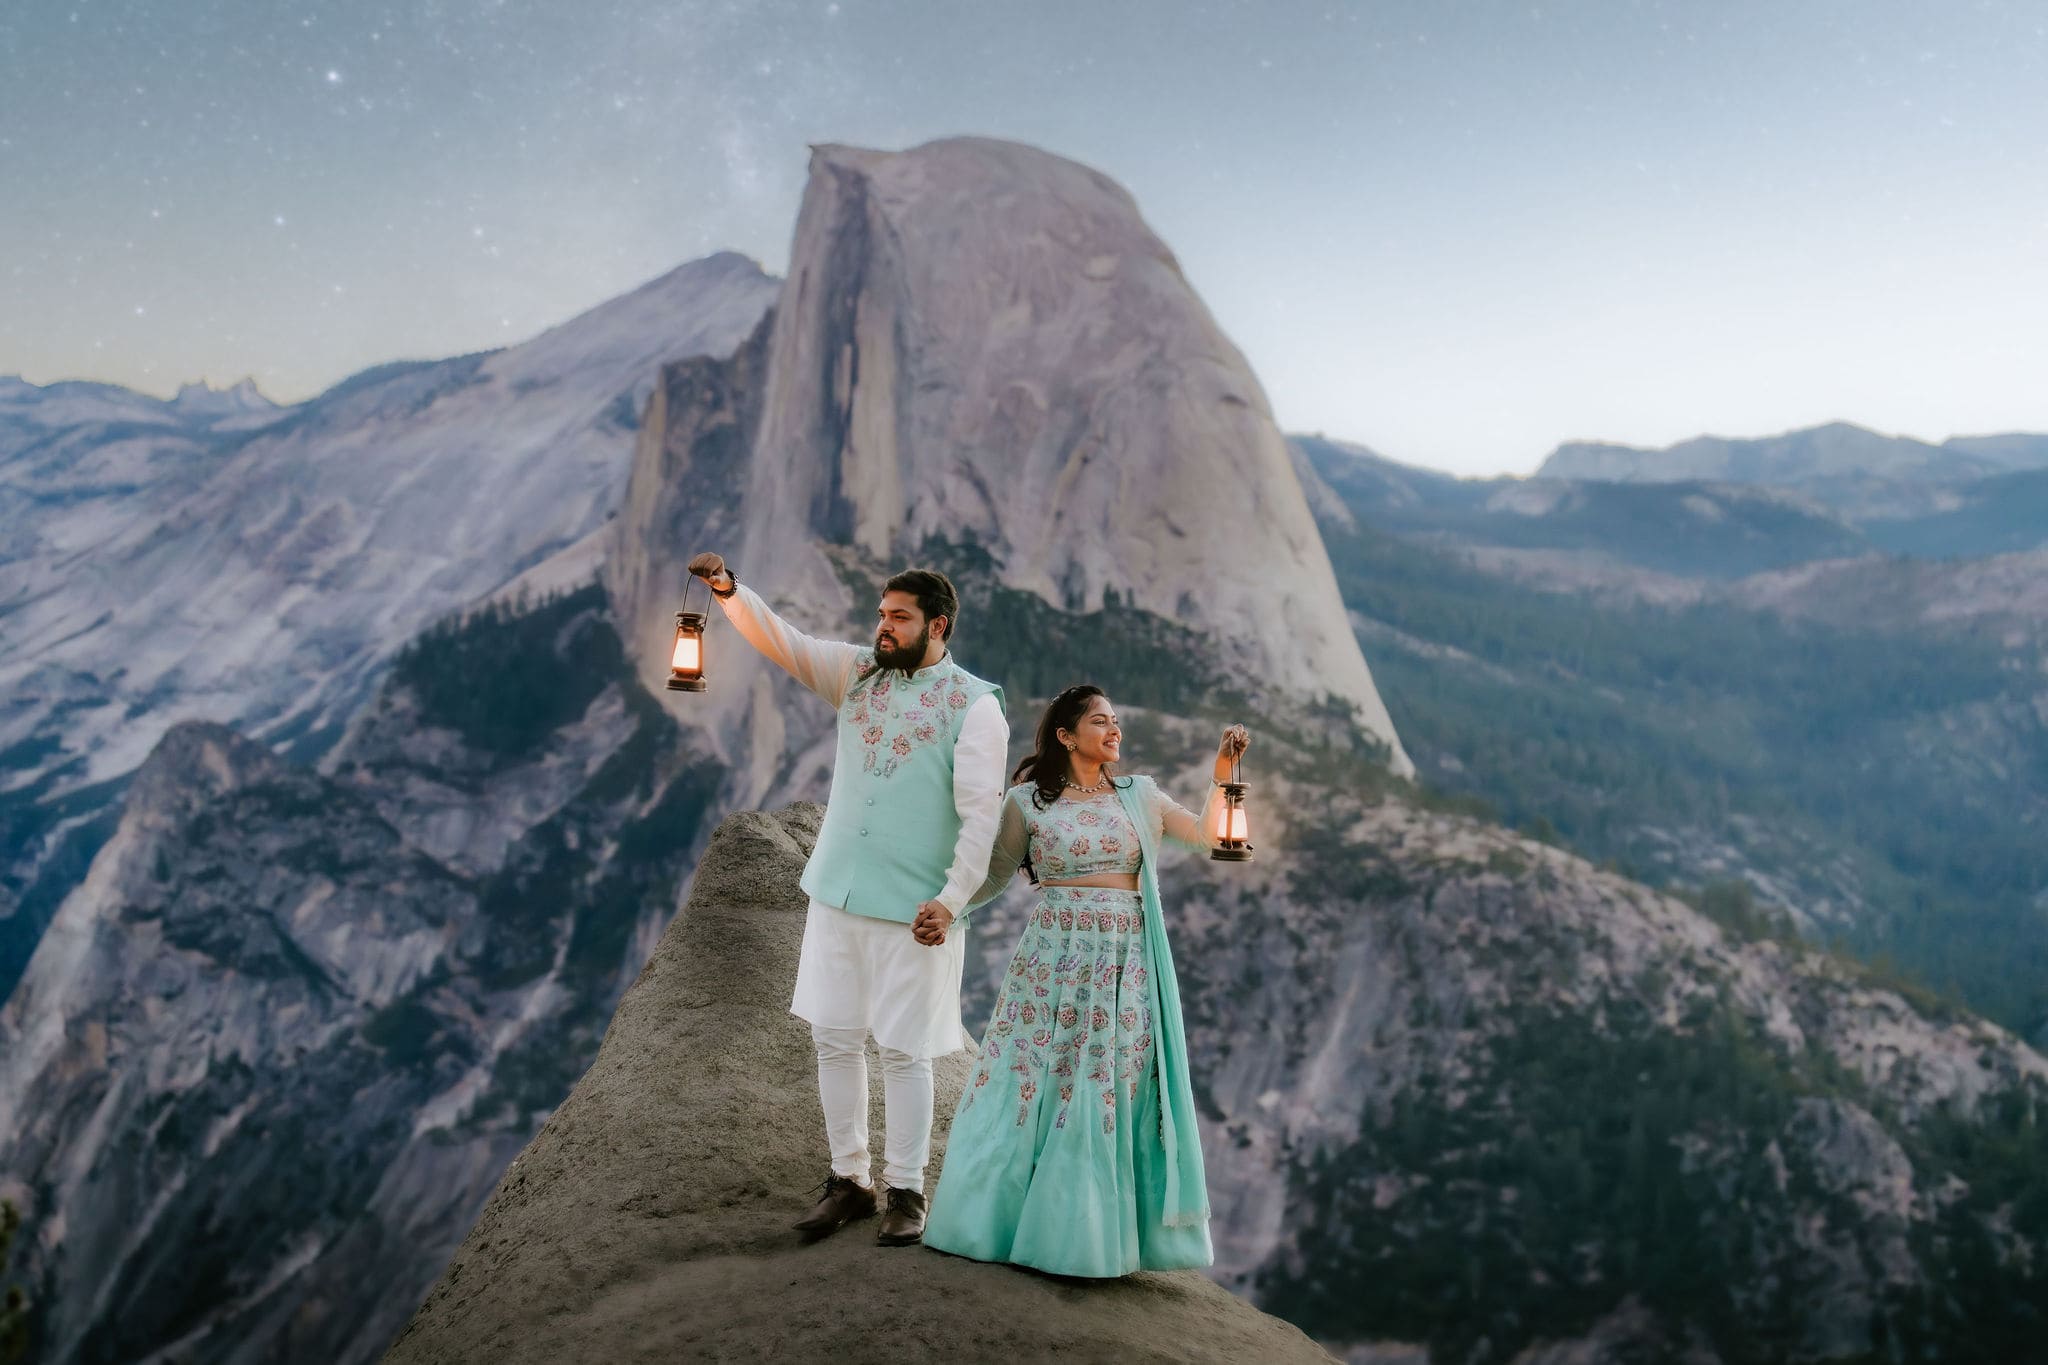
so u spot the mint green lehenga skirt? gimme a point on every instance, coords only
(1055, 1159)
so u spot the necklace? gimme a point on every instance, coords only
(1101, 785)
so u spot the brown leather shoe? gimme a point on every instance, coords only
(903, 1224)
(845, 1200)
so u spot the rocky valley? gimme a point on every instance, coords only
(338, 955)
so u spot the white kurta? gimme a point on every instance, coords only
(859, 972)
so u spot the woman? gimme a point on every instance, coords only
(1074, 1148)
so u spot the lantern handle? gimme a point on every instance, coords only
(688, 579)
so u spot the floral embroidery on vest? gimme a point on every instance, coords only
(889, 737)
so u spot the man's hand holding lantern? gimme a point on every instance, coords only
(711, 568)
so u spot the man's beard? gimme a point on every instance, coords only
(906, 657)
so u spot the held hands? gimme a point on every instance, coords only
(711, 568)
(929, 928)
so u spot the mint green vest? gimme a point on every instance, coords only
(890, 824)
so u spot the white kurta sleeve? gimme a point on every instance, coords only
(824, 666)
(1181, 825)
(977, 797)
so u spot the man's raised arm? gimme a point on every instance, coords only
(824, 666)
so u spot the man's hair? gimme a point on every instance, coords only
(934, 594)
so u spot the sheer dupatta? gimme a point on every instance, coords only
(1153, 814)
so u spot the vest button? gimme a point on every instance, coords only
(863, 834)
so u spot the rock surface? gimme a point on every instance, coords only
(649, 1218)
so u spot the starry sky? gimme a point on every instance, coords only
(1460, 233)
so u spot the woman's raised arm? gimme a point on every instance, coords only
(1181, 825)
(1185, 827)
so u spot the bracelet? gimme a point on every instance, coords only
(731, 578)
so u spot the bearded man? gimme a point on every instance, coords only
(917, 784)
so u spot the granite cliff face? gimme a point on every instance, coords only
(983, 357)
(271, 1056)
(649, 1217)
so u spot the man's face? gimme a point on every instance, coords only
(902, 635)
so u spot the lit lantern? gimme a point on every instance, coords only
(686, 663)
(1229, 831)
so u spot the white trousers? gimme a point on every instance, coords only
(854, 971)
(856, 976)
(906, 1101)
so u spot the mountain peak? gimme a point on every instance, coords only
(981, 345)
(201, 398)
(721, 294)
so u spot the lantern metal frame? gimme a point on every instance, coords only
(690, 623)
(1227, 849)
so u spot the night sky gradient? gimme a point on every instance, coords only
(1457, 232)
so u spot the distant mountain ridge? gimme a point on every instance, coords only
(1835, 450)
(1695, 527)
(1832, 493)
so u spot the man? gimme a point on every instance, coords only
(916, 788)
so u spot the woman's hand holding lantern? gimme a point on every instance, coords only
(1229, 749)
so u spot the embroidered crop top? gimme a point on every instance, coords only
(1071, 839)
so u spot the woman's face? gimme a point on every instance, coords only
(1096, 735)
